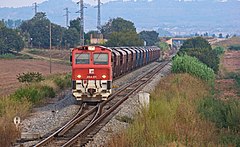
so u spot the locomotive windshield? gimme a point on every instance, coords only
(82, 58)
(101, 58)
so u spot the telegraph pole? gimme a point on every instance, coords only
(81, 16)
(67, 16)
(50, 45)
(99, 15)
(35, 7)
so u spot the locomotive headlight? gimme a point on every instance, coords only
(104, 76)
(79, 76)
(91, 48)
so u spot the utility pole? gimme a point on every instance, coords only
(50, 45)
(81, 16)
(35, 7)
(67, 16)
(99, 16)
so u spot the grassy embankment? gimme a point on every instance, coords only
(184, 112)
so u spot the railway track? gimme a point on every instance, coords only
(89, 119)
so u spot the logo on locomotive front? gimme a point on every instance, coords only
(91, 71)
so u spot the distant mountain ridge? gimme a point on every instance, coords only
(171, 15)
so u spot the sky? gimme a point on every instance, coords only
(20, 3)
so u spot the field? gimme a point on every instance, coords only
(230, 63)
(9, 69)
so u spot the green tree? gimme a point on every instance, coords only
(124, 39)
(120, 32)
(70, 37)
(75, 24)
(57, 35)
(220, 35)
(163, 45)
(38, 30)
(2, 24)
(151, 37)
(200, 48)
(117, 25)
(10, 40)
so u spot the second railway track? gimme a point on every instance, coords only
(80, 130)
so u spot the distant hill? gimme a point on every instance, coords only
(175, 16)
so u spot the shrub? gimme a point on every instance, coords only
(191, 65)
(7, 56)
(17, 56)
(60, 83)
(230, 139)
(201, 49)
(223, 114)
(30, 93)
(63, 82)
(30, 77)
(235, 47)
(33, 94)
(219, 50)
(47, 91)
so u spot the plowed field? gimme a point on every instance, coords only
(9, 69)
(229, 64)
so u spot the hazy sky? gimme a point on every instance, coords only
(20, 3)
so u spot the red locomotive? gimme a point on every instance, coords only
(94, 67)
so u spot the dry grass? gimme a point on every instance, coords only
(10, 109)
(172, 118)
(228, 42)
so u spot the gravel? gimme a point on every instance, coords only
(61, 109)
(128, 109)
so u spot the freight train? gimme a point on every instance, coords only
(95, 67)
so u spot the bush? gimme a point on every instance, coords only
(30, 77)
(17, 56)
(235, 47)
(30, 93)
(230, 139)
(201, 49)
(47, 91)
(223, 114)
(7, 56)
(219, 50)
(33, 94)
(191, 65)
(63, 82)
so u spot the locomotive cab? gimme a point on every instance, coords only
(91, 73)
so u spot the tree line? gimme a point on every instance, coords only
(36, 33)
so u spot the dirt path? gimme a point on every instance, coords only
(25, 52)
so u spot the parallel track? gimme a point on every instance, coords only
(107, 107)
(80, 130)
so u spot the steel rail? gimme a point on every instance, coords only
(51, 137)
(144, 80)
